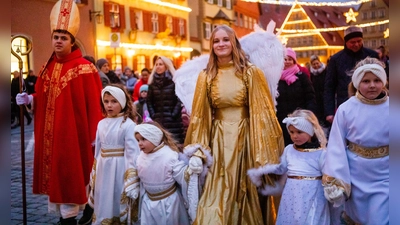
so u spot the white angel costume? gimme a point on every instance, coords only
(303, 200)
(162, 178)
(357, 158)
(113, 170)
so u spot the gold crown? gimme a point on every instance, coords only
(65, 16)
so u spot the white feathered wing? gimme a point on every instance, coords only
(265, 50)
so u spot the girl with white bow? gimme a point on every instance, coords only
(301, 163)
(113, 179)
(356, 173)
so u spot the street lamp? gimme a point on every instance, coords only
(99, 17)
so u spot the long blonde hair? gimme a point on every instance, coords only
(239, 57)
(168, 63)
(310, 116)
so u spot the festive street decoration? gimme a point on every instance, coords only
(350, 15)
(306, 3)
(386, 33)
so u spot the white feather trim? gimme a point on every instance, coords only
(189, 150)
(255, 174)
(274, 190)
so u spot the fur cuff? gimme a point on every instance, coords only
(255, 174)
(207, 158)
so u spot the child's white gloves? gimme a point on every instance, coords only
(23, 99)
(133, 191)
(195, 165)
(334, 195)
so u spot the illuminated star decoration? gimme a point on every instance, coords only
(386, 33)
(350, 15)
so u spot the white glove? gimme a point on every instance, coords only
(133, 191)
(334, 195)
(255, 174)
(23, 99)
(195, 165)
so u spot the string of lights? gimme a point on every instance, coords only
(338, 4)
(316, 30)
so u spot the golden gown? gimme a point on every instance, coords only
(234, 115)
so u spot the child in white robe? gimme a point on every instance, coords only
(356, 172)
(114, 177)
(163, 176)
(303, 200)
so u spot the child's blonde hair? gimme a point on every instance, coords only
(167, 136)
(310, 116)
(128, 110)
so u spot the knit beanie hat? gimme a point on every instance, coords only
(150, 132)
(300, 123)
(352, 32)
(290, 52)
(101, 62)
(144, 87)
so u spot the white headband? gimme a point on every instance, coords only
(300, 123)
(373, 68)
(150, 132)
(116, 93)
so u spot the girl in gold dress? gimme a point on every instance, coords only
(233, 113)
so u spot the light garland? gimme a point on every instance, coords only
(167, 4)
(146, 47)
(316, 30)
(296, 49)
(278, 2)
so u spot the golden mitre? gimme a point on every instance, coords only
(65, 16)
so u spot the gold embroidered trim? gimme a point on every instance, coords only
(328, 181)
(131, 183)
(158, 147)
(163, 194)
(112, 152)
(130, 173)
(305, 178)
(307, 149)
(369, 153)
(371, 101)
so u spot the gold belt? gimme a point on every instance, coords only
(112, 152)
(369, 153)
(305, 178)
(163, 194)
(232, 114)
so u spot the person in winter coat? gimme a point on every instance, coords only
(295, 91)
(163, 105)
(318, 72)
(337, 72)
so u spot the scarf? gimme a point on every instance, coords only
(318, 71)
(289, 75)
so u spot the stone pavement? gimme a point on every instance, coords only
(36, 204)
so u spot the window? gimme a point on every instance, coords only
(246, 22)
(382, 27)
(220, 3)
(207, 30)
(365, 15)
(154, 22)
(140, 62)
(383, 42)
(328, 15)
(236, 19)
(170, 24)
(315, 14)
(228, 4)
(137, 21)
(114, 16)
(381, 13)
(210, 1)
(373, 14)
(241, 20)
(181, 27)
(372, 29)
(373, 3)
(373, 43)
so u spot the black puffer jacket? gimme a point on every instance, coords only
(164, 106)
(337, 79)
(299, 94)
(318, 81)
